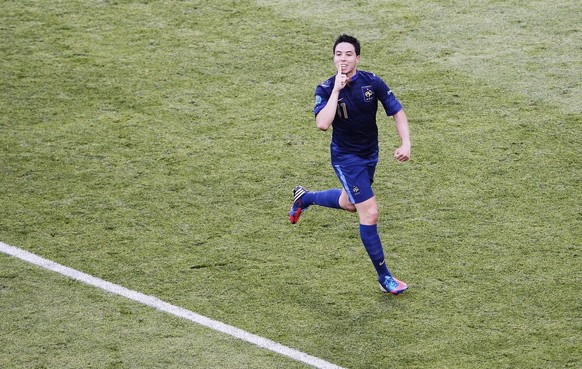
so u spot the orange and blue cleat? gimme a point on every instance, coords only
(392, 285)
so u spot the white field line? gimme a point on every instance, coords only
(166, 307)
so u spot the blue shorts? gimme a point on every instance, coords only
(357, 180)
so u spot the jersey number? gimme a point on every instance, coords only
(342, 110)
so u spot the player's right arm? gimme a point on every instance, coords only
(325, 117)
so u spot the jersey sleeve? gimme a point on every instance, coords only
(387, 98)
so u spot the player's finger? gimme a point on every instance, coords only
(339, 67)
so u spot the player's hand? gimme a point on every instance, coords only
(402, 153)
(341, 80)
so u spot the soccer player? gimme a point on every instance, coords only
(348, 101)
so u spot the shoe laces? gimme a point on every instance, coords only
(390, 282)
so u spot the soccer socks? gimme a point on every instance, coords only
(329, 198)
(373, 245)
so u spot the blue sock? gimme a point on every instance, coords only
(373, 245)
(329, 198)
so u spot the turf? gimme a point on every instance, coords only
(155, 144)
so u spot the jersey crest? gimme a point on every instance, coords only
(368, 93)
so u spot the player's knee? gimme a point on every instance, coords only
(351, 208)
(345, 203)
(369, 215)
(372, 217)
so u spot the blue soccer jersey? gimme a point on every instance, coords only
(355, 131)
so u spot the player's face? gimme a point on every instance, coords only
(345, 58)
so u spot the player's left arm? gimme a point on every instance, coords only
(403, 152)
(394, 108)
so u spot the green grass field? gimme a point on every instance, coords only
(155, 144)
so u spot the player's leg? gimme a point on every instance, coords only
(302, 199)
(358, 184)
(368, 214)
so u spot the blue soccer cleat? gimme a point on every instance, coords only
(297, 207)
(392, 285)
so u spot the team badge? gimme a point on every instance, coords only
(318, 100)
(368, 93)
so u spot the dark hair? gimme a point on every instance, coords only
(349, 39)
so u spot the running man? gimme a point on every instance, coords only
(348, 101)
